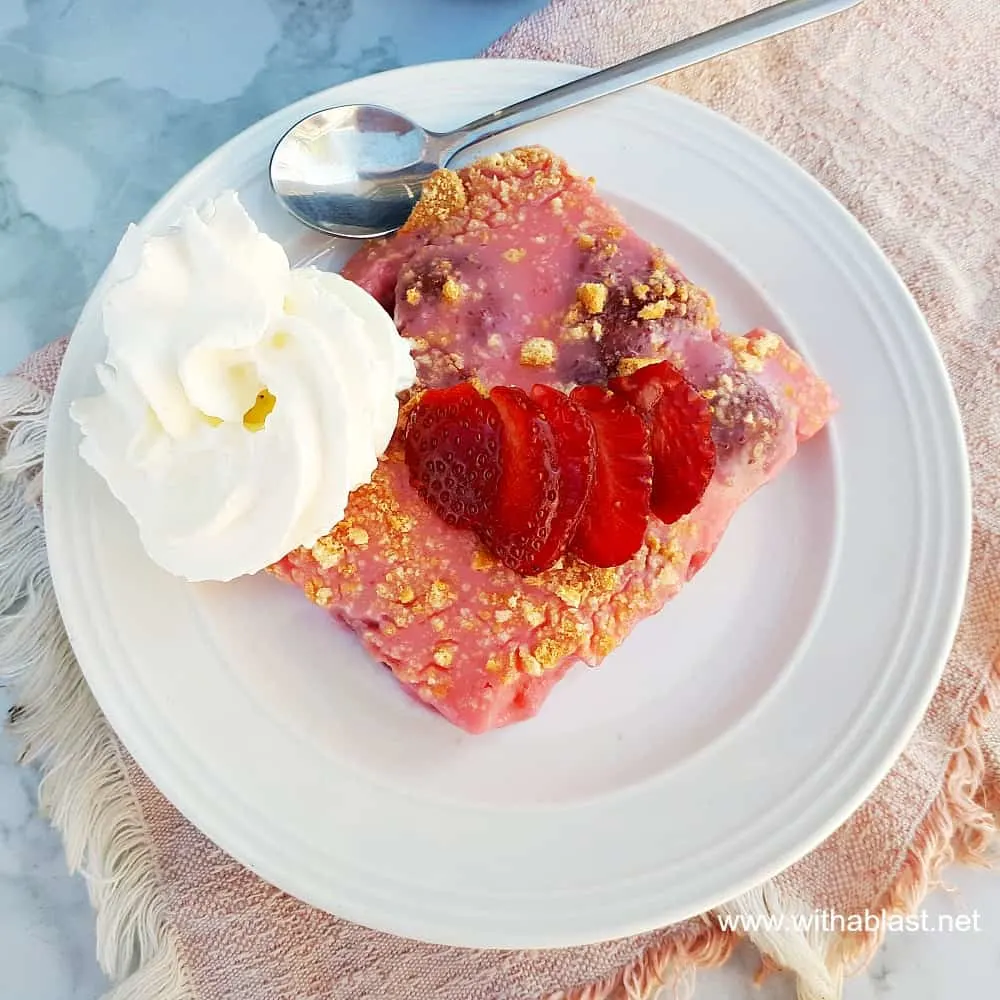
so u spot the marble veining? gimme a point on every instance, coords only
(103, 105)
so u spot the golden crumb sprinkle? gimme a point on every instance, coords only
(515, 254)
(442, 196)
(748, 362)
(317, 593)
(751, 352)
(585, 241)
(640, 290)
(451, 291)
(440, 595)
(656, 310)
(528, 663)
(532, 613)
(672, 552)
(482, 560)
(578, 582)
(593, 296)
(407, 406)
(328, 552)
(551, 652)
(628, 366)
(357, 536)
(413, 295)
(571, 594)
(479, 385)
(765, 344)
(402, 618)
(538, 352)
(518, 160)
(444, 653)
(503, 668)
(664, 285)
(436, 684)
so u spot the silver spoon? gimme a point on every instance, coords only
(356, 171)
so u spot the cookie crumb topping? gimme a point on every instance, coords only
(538, 352)
(593, 296)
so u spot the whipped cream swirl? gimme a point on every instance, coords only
(242, 399)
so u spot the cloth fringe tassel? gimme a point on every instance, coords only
(86, 793)
(84, 790)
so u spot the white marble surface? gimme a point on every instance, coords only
(103, 104)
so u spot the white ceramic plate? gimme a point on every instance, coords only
(724, 739)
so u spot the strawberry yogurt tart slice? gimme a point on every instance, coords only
(513, 272)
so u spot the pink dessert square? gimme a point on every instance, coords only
(513, 271)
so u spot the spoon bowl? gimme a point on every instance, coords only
(353, 171)
(357, 171)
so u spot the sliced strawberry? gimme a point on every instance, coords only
(453, 453)
(680, 420)
(680, 426)
(576, 449)
(614, 520)
(527, 498)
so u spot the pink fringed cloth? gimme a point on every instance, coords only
(895, 107)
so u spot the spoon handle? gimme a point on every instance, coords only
(766, 23)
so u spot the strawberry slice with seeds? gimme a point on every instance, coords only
(576, 450)
(453, 453)
(527, 499)
(614, 519)
(680, 436)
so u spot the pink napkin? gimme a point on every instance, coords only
(896, 108)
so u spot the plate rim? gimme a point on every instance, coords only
(949, 629)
